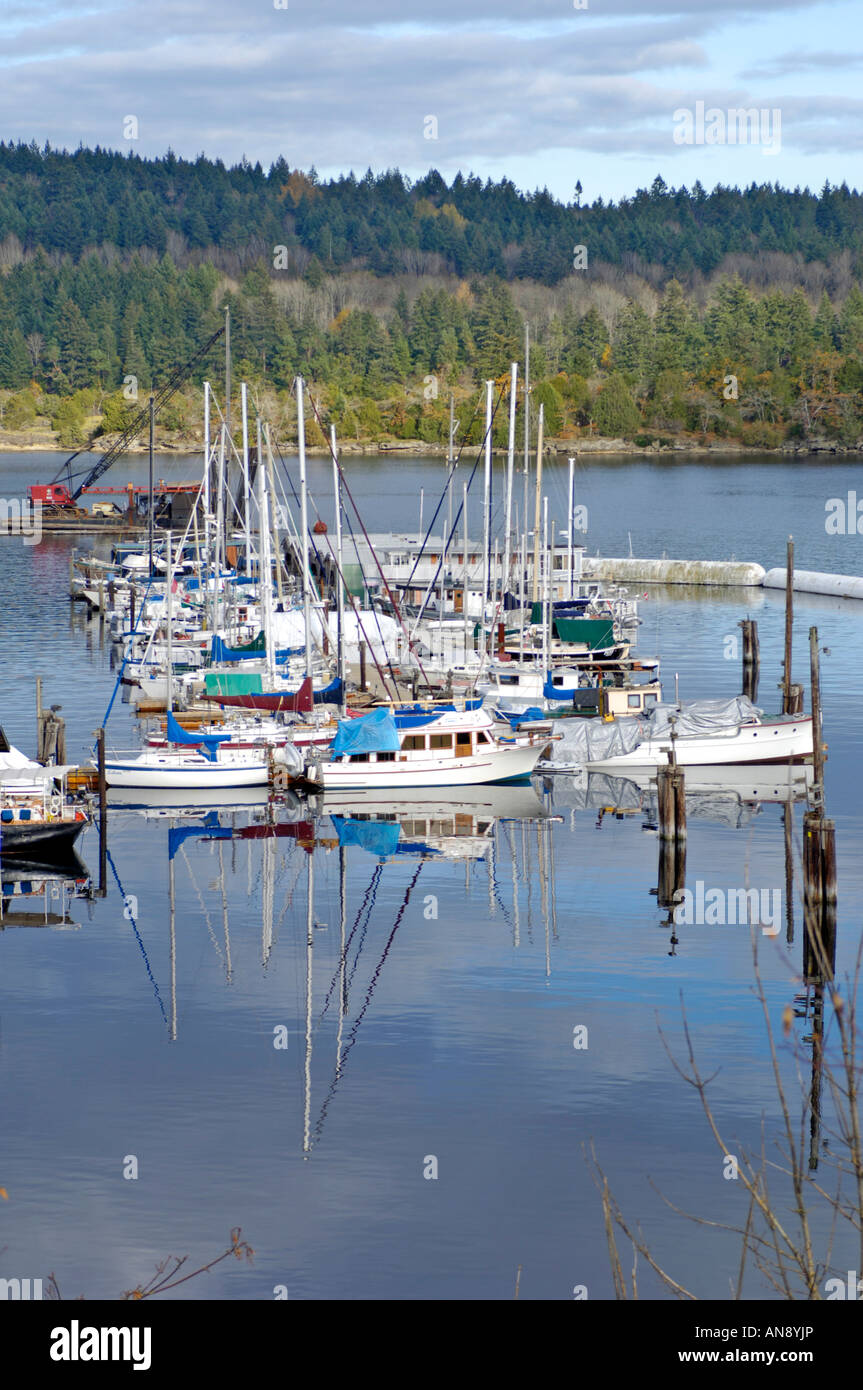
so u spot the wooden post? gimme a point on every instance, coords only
(103, 813)
(788, 826)
(671, 803)
(60, 739)
(38, 713)
(501, 639)
(819, 896)
(789, 625)
(815, 700)
(751, 658)
(795, 700)
(132, 609)
(363, 685)
(678, 792)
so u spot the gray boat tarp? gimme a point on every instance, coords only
(588, 740)
(702, 716)
(590, 792)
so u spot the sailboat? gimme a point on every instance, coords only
(190, 760)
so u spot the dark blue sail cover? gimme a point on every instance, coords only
(175, 733)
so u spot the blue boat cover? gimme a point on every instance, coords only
(557, 692)
(175, 733)
(373, 733)
(380, 837)
(523, 716)
(211, 828)
(219, 652)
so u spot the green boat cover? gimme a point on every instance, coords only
(233, 683)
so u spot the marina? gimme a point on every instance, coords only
(550, 901)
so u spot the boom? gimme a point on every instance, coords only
(141, 420)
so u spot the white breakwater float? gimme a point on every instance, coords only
(630, 570)
(811, 582)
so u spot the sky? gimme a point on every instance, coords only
(546, 94)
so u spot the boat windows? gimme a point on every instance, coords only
(463, 742)
(359, 757)
(483, 737)
(413, 743)
(439, 741)
(386, 757)
(633, 701)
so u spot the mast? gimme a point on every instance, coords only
(340, 593)
(150, 508)
(169, 599)
(206, 449)
(510, 463)
(537, 500)
(220, 533)
(464, 591)
(304, 523)
(546, 588)
(265, 573)
(310, 928)
(247, 499)
(569, 527)
(172, 937)
(486, 504)
(228, 370)
(277, 537)
(526, 470)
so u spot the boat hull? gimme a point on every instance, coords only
(47, 840)
(769, 742)
(189, 776)
(498, 765)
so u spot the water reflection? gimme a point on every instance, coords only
(42, 895)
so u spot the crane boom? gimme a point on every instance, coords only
(141, 420)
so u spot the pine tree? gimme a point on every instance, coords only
(15, 366)
(615, 412)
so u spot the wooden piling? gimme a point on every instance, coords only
(671, 804)
(788, 827)
(363, 685)
(819, 896)
(787, 688)
(751, 658)
(60, 739)
(103, 813)
(38, 713)
(815, 701)
(132, 609)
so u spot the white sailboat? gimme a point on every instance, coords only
(713, 732)
(190, 761)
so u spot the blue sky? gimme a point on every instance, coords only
(544, 94)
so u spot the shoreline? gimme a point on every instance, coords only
(24, 442)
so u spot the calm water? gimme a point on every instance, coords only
(449, 1032)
